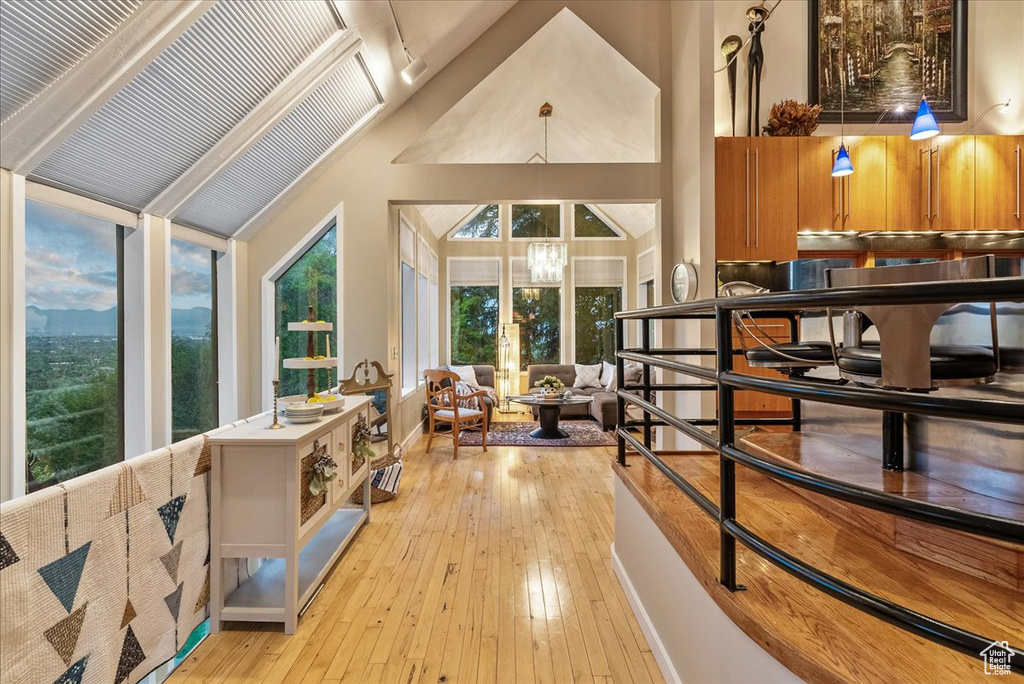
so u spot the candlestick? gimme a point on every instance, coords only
(277, 359)
(275, 425)
(328, 345)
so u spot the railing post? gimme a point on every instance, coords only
(620, 403)
(645, 343)
(892, 440)
(726, 437)
(794, 336)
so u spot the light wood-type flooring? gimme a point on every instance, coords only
(492, 568)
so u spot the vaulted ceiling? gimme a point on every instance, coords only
(605, 109)
(206, 111)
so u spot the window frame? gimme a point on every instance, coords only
(123, 221)
(623, 287)
(448, 294)
(334, 219)
(620, 234)
(215, 255)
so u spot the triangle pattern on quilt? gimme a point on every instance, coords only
(173, 601)
(205, 461)
(127, 493)
(63, 636)
(171, 559)
(131, 656)
(170, 513)
(64, 574)
(73, 675)
(129, 613)
(7, 555)
(204, 595)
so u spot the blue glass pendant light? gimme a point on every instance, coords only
(842, 166)
(925, 125)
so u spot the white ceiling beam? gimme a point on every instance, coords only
(341, 46)
(30, 135)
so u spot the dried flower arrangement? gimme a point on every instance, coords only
(323, 469)
(790, 117)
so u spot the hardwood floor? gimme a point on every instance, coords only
(492, 568)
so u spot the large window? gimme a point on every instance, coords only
(536, 221)
(597, 296)
(538, 311)
(473, 297)
(483, 225)
(193, 340)
(588, 225)
(418, 264)
(72, 347)
(311, 281)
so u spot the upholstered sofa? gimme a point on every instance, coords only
(602, 409)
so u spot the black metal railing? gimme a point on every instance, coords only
(723, 379)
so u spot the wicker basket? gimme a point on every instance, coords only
(379, 495)
(310, 504)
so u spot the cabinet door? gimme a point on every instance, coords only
(952, 183)
(774, 201)
(732, 199)
(907, 166)
(863, 193)
(751, 403)
(998, 183)
(818, 191)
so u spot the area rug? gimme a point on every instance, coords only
(582, 433)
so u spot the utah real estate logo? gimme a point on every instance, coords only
(997, 658)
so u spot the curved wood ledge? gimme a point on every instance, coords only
(817, 637)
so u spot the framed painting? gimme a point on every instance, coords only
(877, 55)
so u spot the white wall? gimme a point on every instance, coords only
(995, 65)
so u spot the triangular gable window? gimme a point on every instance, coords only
(483, 225)
(587, 224)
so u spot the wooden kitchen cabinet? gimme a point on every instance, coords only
(998, 182)
(756, 199)
(930, 183)
(749, 403)
(855, 202)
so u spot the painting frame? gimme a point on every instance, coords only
(953, 111)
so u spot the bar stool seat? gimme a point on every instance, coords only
(949, 364)
(814, 354)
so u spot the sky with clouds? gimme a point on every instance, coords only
(71, 262)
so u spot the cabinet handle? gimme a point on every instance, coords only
(757, 197)
(938, 183)
(928, 202)
(746, 200)
(341, 448)
(1017, 213)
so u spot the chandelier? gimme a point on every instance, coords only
(546, 260)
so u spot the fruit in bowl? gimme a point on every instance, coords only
(321, 398)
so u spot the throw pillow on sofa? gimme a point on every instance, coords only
(608, 379)
(588, 376)
(465, 373)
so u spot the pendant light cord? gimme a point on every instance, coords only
(398, 25)
(842, 85)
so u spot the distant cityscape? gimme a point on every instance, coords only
(194, 322)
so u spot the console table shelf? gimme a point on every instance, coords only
(261, 508)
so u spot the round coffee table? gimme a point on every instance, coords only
(550, 411)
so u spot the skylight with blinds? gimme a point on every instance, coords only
(40, 41)
(285, 153)
(194, 93)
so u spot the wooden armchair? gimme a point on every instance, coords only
(443, 407)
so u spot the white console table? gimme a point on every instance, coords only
(261, 508)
